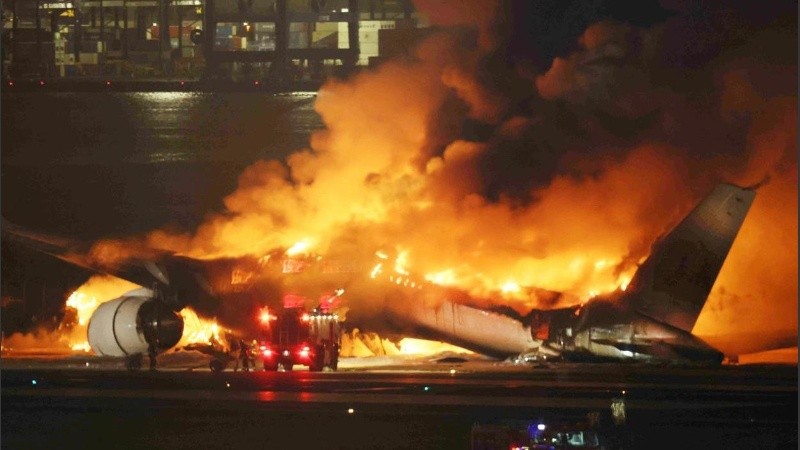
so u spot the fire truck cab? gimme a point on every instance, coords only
(294, 336)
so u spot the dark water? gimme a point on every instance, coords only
(152, 127)
(95, 164)
(92, 165)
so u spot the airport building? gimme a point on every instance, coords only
(237, 40)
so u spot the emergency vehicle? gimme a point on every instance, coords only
(294, 336)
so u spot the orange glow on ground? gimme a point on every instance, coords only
(414, 346)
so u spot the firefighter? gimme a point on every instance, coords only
(244, 355)
(326, 359)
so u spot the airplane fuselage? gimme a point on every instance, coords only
(599, 331)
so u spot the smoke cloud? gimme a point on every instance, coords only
(505, 174)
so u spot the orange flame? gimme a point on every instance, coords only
(85, 300)
(199, 330)
(83, 304)
(409, 178)
(81, 347)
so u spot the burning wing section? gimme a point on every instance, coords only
(179, 279)
(128, 325)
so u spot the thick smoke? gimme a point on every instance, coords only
(505, 167)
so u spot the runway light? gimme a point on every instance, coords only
(11, 83)
(41, 82)
(227, 384)
(350, 411)
(108, 83)
(33, 382)
(87, 364)
(426, 388)
(182, 83)
(452, 371)
(256, 83)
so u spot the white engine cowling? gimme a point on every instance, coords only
(128, 324)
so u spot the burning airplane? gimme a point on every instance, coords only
(524, 187)
(652, 319)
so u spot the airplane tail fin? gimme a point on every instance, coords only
(672, 285)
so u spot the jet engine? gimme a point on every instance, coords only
(128, 325)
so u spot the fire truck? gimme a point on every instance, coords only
(295, 336)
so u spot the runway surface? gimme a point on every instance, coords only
(50, 402)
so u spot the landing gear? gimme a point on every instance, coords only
(134, 362)
(334, 365)
(216, 366)
(319, 359)
(325, 356)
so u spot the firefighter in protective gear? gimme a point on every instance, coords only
(244, 355)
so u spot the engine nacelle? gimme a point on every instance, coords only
(127, 325)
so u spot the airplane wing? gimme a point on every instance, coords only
(169, 273)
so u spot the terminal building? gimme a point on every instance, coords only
(236, 40)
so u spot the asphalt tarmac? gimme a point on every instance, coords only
(93, 403)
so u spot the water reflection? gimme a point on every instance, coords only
(153, 127)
